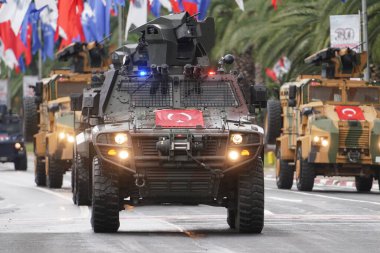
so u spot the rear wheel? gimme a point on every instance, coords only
(21, 163)
(304, 173)
(81, 170)
(363, 184)
(273, 121)
(54, 177)
(284, 172)
(105, 199)
(39, 172)
(30, 118)
(249, 212)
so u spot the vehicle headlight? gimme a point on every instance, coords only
(233, 155)
(123, 154)
(325, 142)
(237, 138)
(316, 139)
(121, 138)
(320, 140)
(70, 138)
(17, 145)
(61, 135)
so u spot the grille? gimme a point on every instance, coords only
(178, 180)
(146, 93)
(208, 94)
(353, 135)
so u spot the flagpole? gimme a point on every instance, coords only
(39, 52)
(367, 74)
(120, 26)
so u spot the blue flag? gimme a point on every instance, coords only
(155, 8)
(202, 8)
(48, 38)
(21, 64)
(102, 18)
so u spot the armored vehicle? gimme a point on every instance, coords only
(330, 123)
(53, 143)
(12, 148)
(172, 129)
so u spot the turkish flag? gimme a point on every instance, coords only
(349, 113)
(179, 118)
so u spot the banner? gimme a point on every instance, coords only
(3, 92)
(29, 81)
(345, 31)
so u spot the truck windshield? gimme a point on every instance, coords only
(363, 95)
(188, 94)
(10, 127)
(324, 93)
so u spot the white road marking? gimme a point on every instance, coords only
(330, 197)
(286, 200)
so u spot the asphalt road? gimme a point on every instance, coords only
(329, 219)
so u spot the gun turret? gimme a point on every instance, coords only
(339, 62)
(86, 57)
(174, 40)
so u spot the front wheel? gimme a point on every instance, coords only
(249, 212)
(284, 172)
(54, 177)
(304, 173)
(21, 163)
(363, 184)
(105, 199)
(81, 180)
(39, 171)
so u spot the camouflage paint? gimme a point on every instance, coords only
(327, 125)
(375, 140)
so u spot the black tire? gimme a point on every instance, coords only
(305, 179)
(39, 172)
(54, 177)
(231, 216)
(30, 118)
(249, 217)
(364, 184)
(81, 172)
(105, 199)
(21, 163)
(284, 172)
(273, 121)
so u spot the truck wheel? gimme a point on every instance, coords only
(363, 184)
(231, 218)
(284, 173)
(305, 174)
(30, 118)
(54, 177)
(105, 199)
(249, 217)
(273, 121)
(39, 172)
(81, 181)
(21, 163)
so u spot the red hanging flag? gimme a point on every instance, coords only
(349, 113)
(274, 3)
(179, 118)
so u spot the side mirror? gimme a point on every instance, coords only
(258, 95)
(292, 96)
(76, 101)
(53, 108)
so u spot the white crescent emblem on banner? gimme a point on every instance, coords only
(170, 117)
(349, 112)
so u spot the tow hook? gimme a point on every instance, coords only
(353, 156)
(140, 180)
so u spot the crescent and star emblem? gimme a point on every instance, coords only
(349, 112)
(181, 119)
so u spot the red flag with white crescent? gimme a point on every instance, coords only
(179, 118)
(349, 113)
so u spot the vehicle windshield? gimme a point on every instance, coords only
(190, 94)
(10, 127)
(364, 95)
(325, 93)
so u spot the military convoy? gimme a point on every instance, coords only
(328, 124)
(166, 127)
(12, 148)
(54, 141)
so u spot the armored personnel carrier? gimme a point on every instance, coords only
(54, 141)
(172, 129)
(12, 148)
(330, 123)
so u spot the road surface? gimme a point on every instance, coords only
(329, 219)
